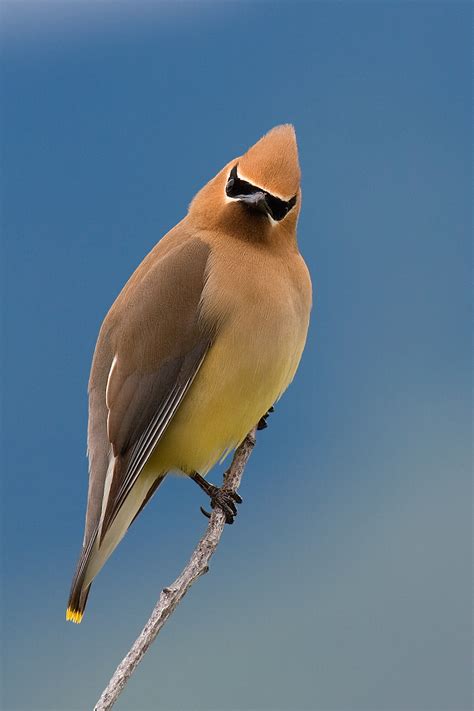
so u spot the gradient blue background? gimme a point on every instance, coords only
(345, 583)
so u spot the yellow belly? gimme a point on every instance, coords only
(240, 379)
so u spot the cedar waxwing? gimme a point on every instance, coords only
(205, 336)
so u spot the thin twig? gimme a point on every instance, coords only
(172, 595)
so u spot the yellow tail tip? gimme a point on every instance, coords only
(74, 616)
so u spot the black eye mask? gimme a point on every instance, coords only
(257, 198)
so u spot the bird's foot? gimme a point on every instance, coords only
(262, 423)
(226, 501)
(221, 498)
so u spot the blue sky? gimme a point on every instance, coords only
(345, 583)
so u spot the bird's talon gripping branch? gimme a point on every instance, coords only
(228, 508)
(224, 499)
(262, 423)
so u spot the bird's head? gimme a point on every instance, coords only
(256, 192)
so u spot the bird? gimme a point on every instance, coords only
(203, 339)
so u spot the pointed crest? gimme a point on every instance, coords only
(272, 163)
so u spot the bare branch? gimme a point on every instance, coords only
(171, 596)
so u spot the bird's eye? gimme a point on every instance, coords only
(279, 208)
(236, 187)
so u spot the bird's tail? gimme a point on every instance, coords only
(94, 554)
(79, 591)
(77, 603)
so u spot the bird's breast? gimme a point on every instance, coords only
(263, 323)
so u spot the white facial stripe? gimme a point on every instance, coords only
(260, 187)
(230, 199)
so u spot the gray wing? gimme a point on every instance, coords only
(150, 349)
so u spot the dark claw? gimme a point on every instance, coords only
(226, 501)
(227, 506)
(222, 498)
(262, 423)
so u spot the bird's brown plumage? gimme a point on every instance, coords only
(205, 336)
